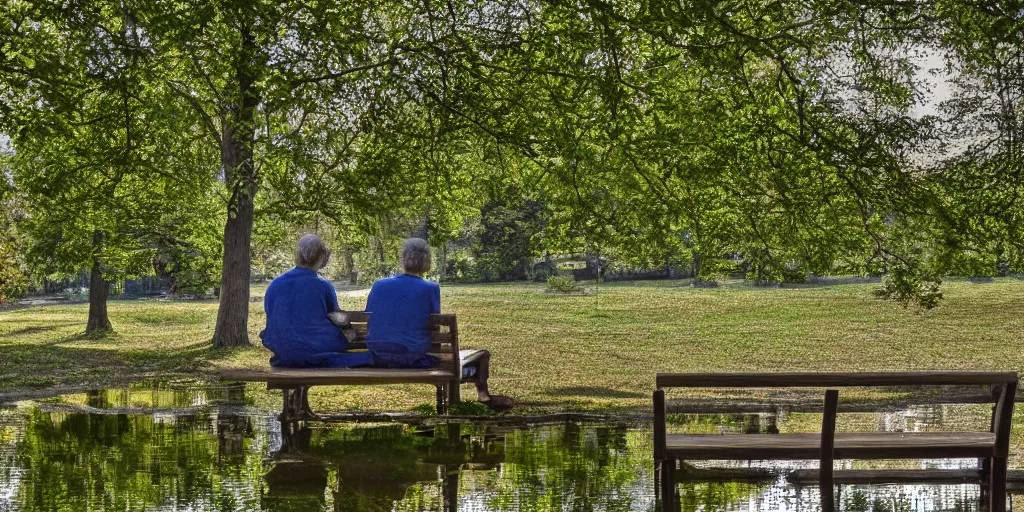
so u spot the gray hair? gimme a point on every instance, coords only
(312, 252)
(415, 256)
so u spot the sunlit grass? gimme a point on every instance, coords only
(556, 352)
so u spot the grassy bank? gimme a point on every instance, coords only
(556, 352)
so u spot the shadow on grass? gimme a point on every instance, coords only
(25, 331)
(36, 365)
(92, 337)
(594, 392)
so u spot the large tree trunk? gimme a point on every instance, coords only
(99, 289)
(238, 138)
(233, 314)
(350, 264)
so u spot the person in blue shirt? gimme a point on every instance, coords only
(399, 331)
(303, 316)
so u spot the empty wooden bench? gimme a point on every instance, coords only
(991, 447)
(295, 382)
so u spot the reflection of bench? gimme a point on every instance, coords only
(990, 447)
(295, 382)
(375, 466)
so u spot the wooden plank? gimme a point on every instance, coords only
(669, 500)
(659, 425)
(914, 445)
(743, 446)
(859, 445)
(997, 485)
(888, 476)
(440, 348)
(440, 399)
(690, 473)
(1002, 417)
(442, 319)
(828, 432)
(454, 388)
(440, 337)
(902, 476)
(1015, 481)
(337, 376)
(436, 319)
(444, 359)
(838, 379)
(664, 475)
(803, 403)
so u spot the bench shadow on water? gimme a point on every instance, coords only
(205, 448)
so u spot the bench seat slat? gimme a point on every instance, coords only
(859, 445)
(338, 376)
(743, 446)
(823, 380)
(889, 476)
(436, 338)
(434, 346)
(914, 445)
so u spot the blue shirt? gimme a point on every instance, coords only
(400, 309)
(298, 331)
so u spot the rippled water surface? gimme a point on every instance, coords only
(190, 448)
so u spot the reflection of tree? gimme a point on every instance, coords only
(97, 398)
(297, 486)
(384, 467)
(377, 467)
(78, 462)
(858, 500)
(694, 496)
(572, 467)
(147, 395)
(232, 431)
(87, 462)
(714, 423)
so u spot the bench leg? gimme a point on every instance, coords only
(453, 397)
(828, 490)
(305, 411)
(997, 485)
(450, 488)
(296, 405)
(441, 409)
(985, 475)
(286, 403)
(828, 432)
(669, 500)
(658, 494)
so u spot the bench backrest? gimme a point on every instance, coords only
(830, 380)
(444, 337)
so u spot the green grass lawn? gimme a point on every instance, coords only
(555, 352)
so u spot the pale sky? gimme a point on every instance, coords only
(934, 74)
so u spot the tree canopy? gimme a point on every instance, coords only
(797, 138)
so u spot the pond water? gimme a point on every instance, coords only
(192, 449)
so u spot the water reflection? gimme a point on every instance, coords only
(207, 449)
(56, 459)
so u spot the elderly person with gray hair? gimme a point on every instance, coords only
(303, 315)
(399, 334)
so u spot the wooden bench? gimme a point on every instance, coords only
(991, 448)
(295, 382)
